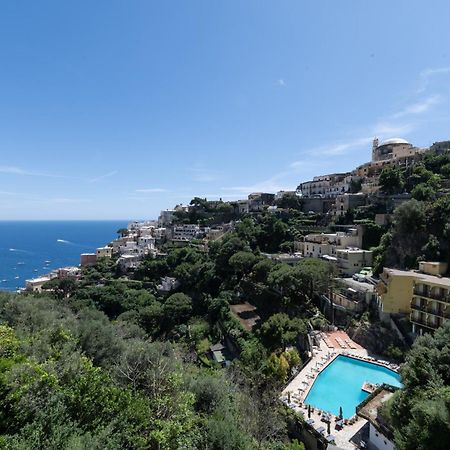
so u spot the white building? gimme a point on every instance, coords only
(35, 284)
(167, 285)
(128, 262)
(243, 206)
(131, 248)
(319, 245)
(328, 185)
(166, 217)
(352, 260)
(146, 242)
(280, 194)
(185, 232)
(120, 242)
(160, 234)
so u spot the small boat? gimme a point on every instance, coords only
(47, 262)
(35, 270)
(20, 263)
(4, 281)
(16, 278)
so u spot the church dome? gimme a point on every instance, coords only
(394, 141)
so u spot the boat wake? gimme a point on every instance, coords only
(18, 250)
(73, 244)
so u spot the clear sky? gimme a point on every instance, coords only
(117, 109)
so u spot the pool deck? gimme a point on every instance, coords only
(298, 389)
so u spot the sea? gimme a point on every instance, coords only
(29, 249)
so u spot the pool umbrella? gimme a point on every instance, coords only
(341, 415)
(309, 411)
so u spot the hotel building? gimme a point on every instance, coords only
(423, 295)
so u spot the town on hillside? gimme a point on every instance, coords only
(343, 273)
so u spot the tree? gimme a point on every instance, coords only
(261, 269)
(279, 331)
(177, 308)
(150, 317)
(199, 202)
(420, 412)
(423, 192)
(122, 232)
(278, 367)
(391, 180)
(422, 176)
(242, 262)
(290, 201)
(61, 288)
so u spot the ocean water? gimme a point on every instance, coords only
(339, 384)
(32, 248)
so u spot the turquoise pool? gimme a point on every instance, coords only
(339, 384)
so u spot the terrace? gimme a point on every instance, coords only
(346, 433)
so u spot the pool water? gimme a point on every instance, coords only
(339, 384)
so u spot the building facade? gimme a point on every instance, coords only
(423, 295)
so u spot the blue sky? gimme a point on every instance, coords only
(115, 110)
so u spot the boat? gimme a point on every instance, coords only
(16, 278)
(35, 270)
(4, 281)
(20, 263)
(47, 262)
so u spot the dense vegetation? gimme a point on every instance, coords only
(420, 231)
(109, 362)
(71, 378)
(420, 412)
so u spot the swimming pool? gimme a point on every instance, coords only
(339, 384)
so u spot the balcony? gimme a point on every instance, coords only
(439, 313)
(430, 293)
(422, 307)
(423, 322)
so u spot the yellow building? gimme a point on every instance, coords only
(104, 252)
(395, 290)
(424, 295)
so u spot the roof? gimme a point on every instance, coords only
(216, 347)
(370, 410)
(394, 141)
(352, 250)
(357, 285)
(420, 277)
(39, 280)
(218, 356)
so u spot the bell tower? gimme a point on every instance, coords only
(374, 149)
